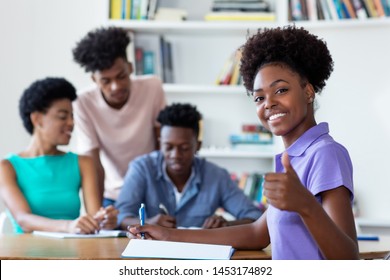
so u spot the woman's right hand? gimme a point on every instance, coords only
(85, 224)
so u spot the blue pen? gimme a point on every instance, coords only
(368, 237)
(142, 218)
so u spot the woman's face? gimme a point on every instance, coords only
(283, 102)
(55, 126)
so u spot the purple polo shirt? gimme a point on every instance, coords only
(321, 164)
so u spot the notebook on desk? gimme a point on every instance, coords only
(138, 248)
(101, 234)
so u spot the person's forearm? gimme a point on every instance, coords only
(240, 237)
(31, 222)
(100, 177)
(333, 243)
(240, 222)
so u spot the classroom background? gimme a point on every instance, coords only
(37, 38)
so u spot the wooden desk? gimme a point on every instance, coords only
(375, 249)
(28, 246)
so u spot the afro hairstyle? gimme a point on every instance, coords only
(99, 49)
(291, 46)
(180, 115)
(39, 96)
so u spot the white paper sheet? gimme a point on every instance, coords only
(138, 248)
(101, 234)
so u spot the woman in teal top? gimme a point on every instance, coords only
(41, 185)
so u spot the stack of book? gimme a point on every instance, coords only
(337, 9)
(252, 137)
(133, 9)
(252, 186)
(230, 73)
(152, 58)
(242, 10)
(144, 62)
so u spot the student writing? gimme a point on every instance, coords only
(41, 185)
(178, 188)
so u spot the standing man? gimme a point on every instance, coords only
(116, 118)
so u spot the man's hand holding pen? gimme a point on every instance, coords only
(163, 219)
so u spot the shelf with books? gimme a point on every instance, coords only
(341, 11)
(236, 27)
(345, 23)
(194, 27)
(204, 89)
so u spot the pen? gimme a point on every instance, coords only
(368, 237)
(142, 218)
(163, 209)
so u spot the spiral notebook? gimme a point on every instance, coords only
(137, 248)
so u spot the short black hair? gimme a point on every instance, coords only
(180, 115)
(302, 52)
(39, 96)
(99, 49)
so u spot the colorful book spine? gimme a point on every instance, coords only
(115, 9)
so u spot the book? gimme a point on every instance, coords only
(115, 9)
(360, 11)
(386, 7)
(349, 7)
(312, 10)
(101, 234)
(137, 248)
(325, 10)
(148, 63)
(240, 16)
(139, 61)
(125, 9)
(166, 60)
(295, 7)
(152, 9)
(235, 79)
(371, 8)
(226, 71)
(130, 51)
(379, 8)
(332, 9)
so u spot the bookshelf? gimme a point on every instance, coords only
(200, 49)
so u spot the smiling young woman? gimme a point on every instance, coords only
(311, 193)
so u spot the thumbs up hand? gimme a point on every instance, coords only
(285, 190)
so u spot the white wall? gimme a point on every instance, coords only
(355, 103)
(37, 38)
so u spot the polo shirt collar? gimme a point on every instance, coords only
(307, 139)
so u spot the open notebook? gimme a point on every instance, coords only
(101, 234)
(138, 248)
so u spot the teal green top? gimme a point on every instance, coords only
(50, 184)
